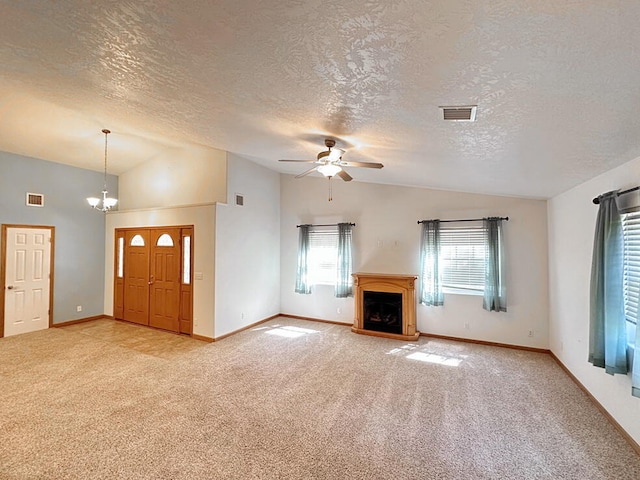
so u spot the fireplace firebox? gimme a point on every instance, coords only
(385, 305)
(382, 311)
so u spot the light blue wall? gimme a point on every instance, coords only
(79, 230)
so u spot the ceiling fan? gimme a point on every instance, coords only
(329, 163)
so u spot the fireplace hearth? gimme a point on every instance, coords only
(385, 305)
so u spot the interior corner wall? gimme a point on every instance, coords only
(247, 262)
(572, 217)
(203, 219)
(79, 230)
(387, 240)
(190, 175)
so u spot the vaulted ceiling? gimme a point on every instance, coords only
(556, 84)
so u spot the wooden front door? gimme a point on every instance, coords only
(152, 277)
(136, 276)
(165, 279)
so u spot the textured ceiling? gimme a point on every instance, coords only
(556, 84)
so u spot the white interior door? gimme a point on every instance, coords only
(27, 280)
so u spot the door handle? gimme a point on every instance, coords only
(10, 287)
(151, 280)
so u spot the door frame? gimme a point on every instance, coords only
(3, 267)
(191, 263)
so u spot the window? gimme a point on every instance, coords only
(631, 264)
(165, 240)
(120, 257)
(137, 241)
(186, 259)
(323, 256)
(462, 259)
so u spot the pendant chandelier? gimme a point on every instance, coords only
(105, 203)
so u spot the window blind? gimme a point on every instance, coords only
(631, 271)
(323, 257)
(462, 253)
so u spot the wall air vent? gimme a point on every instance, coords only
(460, 114)
(35, 200)
(239, 200)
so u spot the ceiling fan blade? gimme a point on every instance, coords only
(361, 164)
(306, 173)
(298, 161)
(323, 156)
(344, 176)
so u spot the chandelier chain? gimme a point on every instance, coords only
(106, 133)
(105, 203)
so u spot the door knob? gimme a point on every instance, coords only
(10, 287)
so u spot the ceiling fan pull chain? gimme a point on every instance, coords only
(330, 193)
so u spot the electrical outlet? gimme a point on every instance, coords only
(339, 310)
(467, 326)
(78, 308)
(530, 333)
(242, 315)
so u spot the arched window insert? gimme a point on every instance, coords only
(137, 241)
(164, 240)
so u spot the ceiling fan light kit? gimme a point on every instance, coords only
(329, 169)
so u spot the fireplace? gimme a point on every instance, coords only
(385, 305)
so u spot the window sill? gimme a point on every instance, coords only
(462, 291)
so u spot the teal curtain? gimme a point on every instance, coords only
(607, 327)
(302, 274)
(495, 296)
(344, 282)
(635, 369)
(430, 286)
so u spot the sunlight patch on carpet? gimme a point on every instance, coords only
(433, 358)
(288, 331)
(428, 357)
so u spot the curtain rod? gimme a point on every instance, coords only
(324, 225)
(597, 199)
(464, 220)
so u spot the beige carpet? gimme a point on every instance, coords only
(292, 399)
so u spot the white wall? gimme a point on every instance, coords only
(203, 219)
(178, 187)
(247, 248)
(572, 217)
(177, 177)
(387, 239)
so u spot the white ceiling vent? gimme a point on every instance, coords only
(35, 200)
(460, 114)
